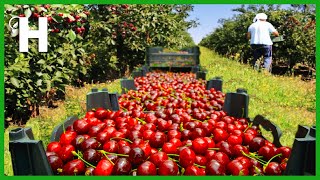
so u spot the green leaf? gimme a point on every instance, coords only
(10, 7)
(72, 35)
(39, 74)
(48, 82)
(14, 81)
(41, 61)
(57, 18)
(83, 15)
(60, 61)
(39, 82)
(70, 17)
(49, 68)
(58, 73)
(84, 70)
(60, 50)
(27, 12)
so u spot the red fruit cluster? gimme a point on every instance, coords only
(171, 125)
(121, 28)
(59, 21)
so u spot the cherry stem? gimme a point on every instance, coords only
(195, 119)
(182, 171)
(59, 170)
(105, 152)
(249, 125)
(173, 155)
(214, 149)
(181, 127)
(255, 158)
(132, 170)
(176, 162)
(76, 154)
(199, 166)
(105, 155)
(273, 158)
(121, 139)
(142, 121)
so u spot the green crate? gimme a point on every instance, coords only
(188, 57)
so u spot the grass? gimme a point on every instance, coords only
(286, 101)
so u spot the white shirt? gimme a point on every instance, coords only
(260, 32)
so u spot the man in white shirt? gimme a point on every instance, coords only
(259, 34)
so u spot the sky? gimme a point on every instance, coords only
(208, 15)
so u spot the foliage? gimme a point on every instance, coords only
(297, 27)
(87, 43)
(30, 77)
(129, 29)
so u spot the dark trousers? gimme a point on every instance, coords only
(262, 50)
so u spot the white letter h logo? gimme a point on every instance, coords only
(25, 34)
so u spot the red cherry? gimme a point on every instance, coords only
(201, 160)
(247, 138)
(147, 168)
(246, 162)
(222, 158)
(92, 156)
(81, 126)
(199, 145)
(111, 146)
(213, 167)
(234, 140)
(55, 163)
(256, 143)
(90, 114)
(168, 168)
(192, 171)
(67, 137)
(169, 148)
(236, 168)
(103, 168)
(136, 156)
(220, 135)
(54, 147)
(273, 168)
(267, 152)
(158, 157)
(238, 149)
(176, 142)
(187, 157)
(122, 166)
(285, 152)
(158, 139)
(74, 167)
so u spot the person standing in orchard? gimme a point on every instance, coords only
(260, 41)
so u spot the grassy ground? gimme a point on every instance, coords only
(286, 101)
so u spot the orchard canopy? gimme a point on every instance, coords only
(86, 43)
(296, 24)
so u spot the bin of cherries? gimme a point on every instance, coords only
(171, 125)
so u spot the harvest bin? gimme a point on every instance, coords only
(186, 59)
(29, 158)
